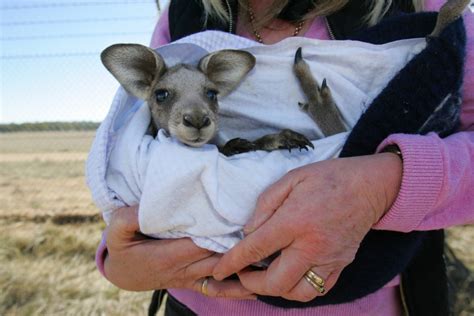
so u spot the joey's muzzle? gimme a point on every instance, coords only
(195, 128)
(196, 121)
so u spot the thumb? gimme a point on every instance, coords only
(124, 223)
(269, 201)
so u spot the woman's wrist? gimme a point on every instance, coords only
(394, 149)
(421, 182)
(391, 170)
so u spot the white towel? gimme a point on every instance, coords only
(199, 193)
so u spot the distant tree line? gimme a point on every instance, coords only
(49, 126)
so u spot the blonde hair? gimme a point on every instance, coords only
(378, 8)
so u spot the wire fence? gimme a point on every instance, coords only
(50, 67)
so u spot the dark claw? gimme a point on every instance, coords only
(324, 85)
(290, 140)
(298, 55)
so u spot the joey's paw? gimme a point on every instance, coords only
(237, 146)
(321, 97)
(288, 139)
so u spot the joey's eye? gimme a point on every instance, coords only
(211, 94)
(161, 95)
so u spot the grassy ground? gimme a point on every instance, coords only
(49, 229)
(46, 262)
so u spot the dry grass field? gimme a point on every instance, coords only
(49, 229)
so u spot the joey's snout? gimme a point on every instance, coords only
(194, 127)
(196, 121)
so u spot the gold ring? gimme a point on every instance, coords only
(204, 286)
(315, 280)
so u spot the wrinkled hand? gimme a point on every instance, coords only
(317, 216)
(138, 263)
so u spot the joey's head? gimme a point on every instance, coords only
(183, 99)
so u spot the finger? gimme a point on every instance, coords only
(255, 281)
(199, 269)
(228, 289)
(282, 275)
(304, 291)
(179, 252)
(168, 272)
(285, 271)
(270, 200)
(124, 224)
(124, 221)
(122, 230)
(257, 246)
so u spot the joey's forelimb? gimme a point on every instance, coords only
(286, 139)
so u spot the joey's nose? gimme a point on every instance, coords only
(196, 121)
(206, 121)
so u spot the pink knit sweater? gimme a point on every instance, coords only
(437, 191)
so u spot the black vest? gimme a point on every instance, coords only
(384, 254)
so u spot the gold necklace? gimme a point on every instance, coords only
(257, 35)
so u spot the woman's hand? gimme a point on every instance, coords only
(317, 216)
(137, 263)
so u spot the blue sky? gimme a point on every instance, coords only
(49, 58)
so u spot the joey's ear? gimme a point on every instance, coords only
(227, 68)
(134, 66)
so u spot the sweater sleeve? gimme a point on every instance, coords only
(100, 255)
(437, 189)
